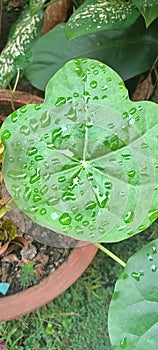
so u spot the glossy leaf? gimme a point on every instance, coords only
(129, 52)
(22, 36)
(133, 314)
(148, 9)
(85, 162)
(94, 16)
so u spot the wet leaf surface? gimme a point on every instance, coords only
(85, 162)
(133, 314)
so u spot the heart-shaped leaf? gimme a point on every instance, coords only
(85, 162)
(133, 314)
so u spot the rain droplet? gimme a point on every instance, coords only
(39, 157)
(92, 228)
(154, 250)
(129, 217)
(153, 268)
(34, 124)
(96, 72)
(123, 343)
(109, 79)
(121, 227)
(79, 230)
(126, 156)
(36, 198)
(108, 185)
(78, 217)
(27, 193)
(31, 151)
(150, 258)
(124, 115)
(25, 130)
(131, 173)
(130, 232)
(68, 196)
(122, 194)
(37, 107)
(44, 189)
(137, 275)
(85, 223)
(65, 219)
(101, 230)
(16, 189)
(11, 159)
(75, 94)
(6, 134)
(61, 178)
(89, 176)
(111, 125)
(74, 210)
(45, 120)
(153, 214)
(23, 109)
(52, 201)
(95, 98)
(60, 101)
(43, 211)
(35, 177)
(93, 84)
(16, 174)
(132, 110)
(90, 205)
(14, 117)
(144, 145)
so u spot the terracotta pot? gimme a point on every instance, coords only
(24, 302)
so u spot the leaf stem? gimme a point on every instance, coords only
(7, 207)
(109, 253)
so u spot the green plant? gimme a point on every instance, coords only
(28, 274)
(85, 164)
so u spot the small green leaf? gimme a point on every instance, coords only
(85, 162)
(148, 9)
(133, 313)
(4, 288)
(94, 16)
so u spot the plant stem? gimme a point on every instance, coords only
(109, 253)
(16, 82)
(7, 207)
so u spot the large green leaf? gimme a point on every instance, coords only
(129, 52)
(85, 162)
(133, 314)
(96, 15)
(148, 9)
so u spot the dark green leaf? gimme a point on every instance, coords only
(148, 9)
(133, 314)
(85, 162)
(94, 16)
(129, 52)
